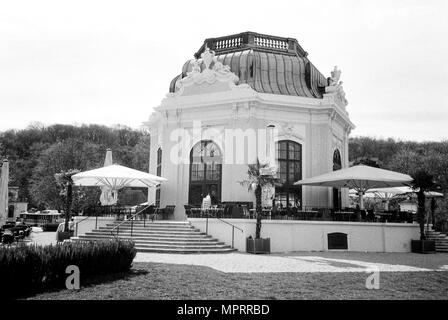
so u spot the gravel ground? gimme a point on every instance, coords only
(168, 281)
(42, 238)
(305, 262)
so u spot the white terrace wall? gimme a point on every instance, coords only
(288, 236)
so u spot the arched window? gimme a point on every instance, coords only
(289, 162)
(205, 172)
(337, 165)
(159, 173)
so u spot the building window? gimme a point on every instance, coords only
(159, 173)
(205, 172)
(337, 165)
(289, 164)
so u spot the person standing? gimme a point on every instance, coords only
(206, 203)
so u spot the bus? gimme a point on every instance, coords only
(48, 220)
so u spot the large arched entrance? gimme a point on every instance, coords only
(205, 172)
(289, 164)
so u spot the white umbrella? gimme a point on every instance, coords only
(116, 177)
(361, 178)
(4, 180)
(389, 193)
(108, 196)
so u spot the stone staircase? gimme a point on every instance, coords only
(441, 240)
(160, 236)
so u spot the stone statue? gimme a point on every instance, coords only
(196, 66)
(207, 56)
(219, 67)
(335, 76)
(335, 86)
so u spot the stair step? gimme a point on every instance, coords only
(156, 241)
(149, 233)
(168, 237)
(152, 234)
(185, 251)
(187, 246)
(149, 229)
(149, 222)
(156, 237)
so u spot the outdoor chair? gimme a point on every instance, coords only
(168, 212)
(147, 212)
(320, 214)
(188, 210)
(363, 214)
(227, 211)
(370, 215)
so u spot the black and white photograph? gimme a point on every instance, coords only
(245, 153)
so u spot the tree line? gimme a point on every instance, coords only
(39, 152)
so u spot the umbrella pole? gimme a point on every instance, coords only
(361, 200)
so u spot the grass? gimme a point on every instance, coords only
(166, 281)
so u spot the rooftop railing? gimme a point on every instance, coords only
(249, 40)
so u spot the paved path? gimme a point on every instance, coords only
(248, 263)
(42, 238)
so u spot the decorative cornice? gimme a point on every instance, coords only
(214, 71)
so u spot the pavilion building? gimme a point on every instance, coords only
(243, 97)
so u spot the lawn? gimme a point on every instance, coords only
(168, 281)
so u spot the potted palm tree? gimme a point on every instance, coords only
(259, 176)
(65, 181)
(423, 181)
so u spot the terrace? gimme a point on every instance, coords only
(246, 211)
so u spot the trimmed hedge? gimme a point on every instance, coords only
(30, 268)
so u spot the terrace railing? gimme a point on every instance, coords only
(207, 215)
(216, 213)
(143, 212)
(310, 213)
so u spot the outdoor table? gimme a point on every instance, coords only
(344, 214)
(265, 212)
(307, 214)
(197, 212)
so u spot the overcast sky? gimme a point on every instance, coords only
(111, 62)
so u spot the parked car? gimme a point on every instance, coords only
(17, 231)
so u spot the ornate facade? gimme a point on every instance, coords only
(215, 120)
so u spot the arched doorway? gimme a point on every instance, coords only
(289, 164)
(205, 172)
(337, 165)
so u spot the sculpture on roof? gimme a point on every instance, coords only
(335, 76)
(207, 56)
(335, 87)
(195, 68)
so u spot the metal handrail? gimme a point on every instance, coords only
(132, 222)
(77, 223)
(233, 226)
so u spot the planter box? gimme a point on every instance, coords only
(61, 236)
(423, 246)
(258, 245)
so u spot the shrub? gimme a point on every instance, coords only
(29, 268)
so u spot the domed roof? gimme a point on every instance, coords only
(268, 64)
